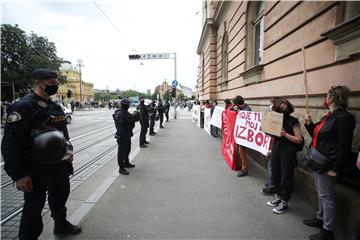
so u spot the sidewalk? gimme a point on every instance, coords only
(182, 188)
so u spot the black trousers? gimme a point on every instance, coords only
(152, 124)
(124, 148)
(55, 181)
(143, 132)
(167, 116)
(283, 162)
(161, 117)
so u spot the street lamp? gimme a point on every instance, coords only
(80, 64)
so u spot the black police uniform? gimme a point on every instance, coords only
(24, 116)
(144, 122)
(152, 115)
(160, 110)
(124, 126)
(166, 110)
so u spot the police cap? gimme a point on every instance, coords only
(125, 101)
(43, 74)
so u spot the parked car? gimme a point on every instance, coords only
(68, 113)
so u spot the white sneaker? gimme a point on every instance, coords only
(274, 202)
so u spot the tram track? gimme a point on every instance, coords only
(16, 210)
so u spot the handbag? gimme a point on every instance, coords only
(316, 161)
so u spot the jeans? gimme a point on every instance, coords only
(325, 187)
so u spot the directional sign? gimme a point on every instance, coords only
(174, 83)
(149, 56)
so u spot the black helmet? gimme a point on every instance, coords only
(49, 146)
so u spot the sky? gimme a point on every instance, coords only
(102, 33)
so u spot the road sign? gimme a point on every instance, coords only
(174, 83)
(149, 56)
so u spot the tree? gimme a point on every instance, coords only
(167, 96)
(21, 54)
(181, 96)
(155, 95)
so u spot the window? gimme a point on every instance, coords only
(259, 33)
(255, 33)
(203, 71)
(224, 56)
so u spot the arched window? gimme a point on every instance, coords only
(224, 56)
(202, 71)
(255, 33)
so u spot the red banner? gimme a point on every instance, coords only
(228, 140)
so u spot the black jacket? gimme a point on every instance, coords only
(23, 116)
(144, 115)
(334, 139)
(124, 124)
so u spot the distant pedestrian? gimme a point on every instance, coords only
(72, 104)
(144, 121)
(283, 157)
(152, 116)
(166, 110)
(160, 109)
(125, 123)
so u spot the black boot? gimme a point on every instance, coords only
(323, 235)
(64, 227)
(123, 171)
(314, 222)
(129, 165)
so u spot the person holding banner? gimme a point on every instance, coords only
(240, 105)
(283, 156)
(227, 103)
(214, 130)
(332, 137)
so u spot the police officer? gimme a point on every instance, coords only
(152, 115)
(32, 176)
(166, 110)
(144, 121)
(160, 110)
(125, 123)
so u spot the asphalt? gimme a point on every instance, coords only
(181, 188)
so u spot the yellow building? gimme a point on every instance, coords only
(85, 94)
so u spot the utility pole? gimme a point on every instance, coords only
(80, 64)
(175, 86)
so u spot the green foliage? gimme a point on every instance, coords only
(155, 95)
(21, 54)
(181, 96)
(167, 96)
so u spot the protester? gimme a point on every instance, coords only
(283, 156)
(332, 137)
(240, 105)
(227, 103)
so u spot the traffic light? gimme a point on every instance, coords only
(173, 92)
(69, 94)
(134, 57)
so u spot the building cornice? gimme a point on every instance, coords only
(209, 27)
(221, 8)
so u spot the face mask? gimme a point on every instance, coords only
(51, 90)
(326, 104)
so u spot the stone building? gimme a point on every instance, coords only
(73, 77)
(254, 49)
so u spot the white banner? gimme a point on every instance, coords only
(207, 118)
(216, 116)
(247, 132)
(194, 114)
(198, 115)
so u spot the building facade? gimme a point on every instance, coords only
(262, 49)
(73, 84)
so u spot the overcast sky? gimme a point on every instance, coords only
(104, 32)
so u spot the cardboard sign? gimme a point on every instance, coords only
(228, 141)
(248, 132)
(207, 118)
(216, 116)
(272, 122)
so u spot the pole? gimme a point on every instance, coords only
(175, 87)
(80, 65)
(304, 75)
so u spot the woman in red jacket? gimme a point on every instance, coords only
(331, 136)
